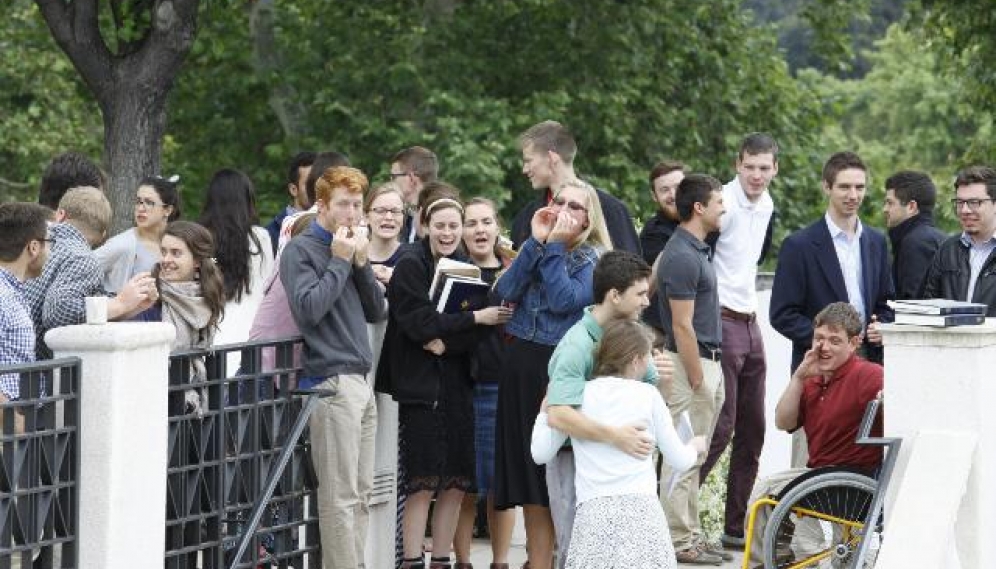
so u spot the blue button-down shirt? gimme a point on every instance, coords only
(17, 334)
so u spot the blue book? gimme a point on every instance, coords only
(461, 294)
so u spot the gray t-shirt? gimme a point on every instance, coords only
(685, 272)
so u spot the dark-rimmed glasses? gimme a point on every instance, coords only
(973, 204)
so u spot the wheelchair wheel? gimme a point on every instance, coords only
(820, 522)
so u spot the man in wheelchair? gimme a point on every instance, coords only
(826, 397)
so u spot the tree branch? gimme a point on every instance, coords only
(75, 29)
(13, 184)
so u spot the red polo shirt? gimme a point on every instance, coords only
(830, 412)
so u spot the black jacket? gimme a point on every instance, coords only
(406, 370)
(617, 219)
(914, 243)
(654, 236)
(950, 272)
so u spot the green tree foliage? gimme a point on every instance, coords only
(636, 81)
(43, 107)
(908, 113)
(830, 36)
(963, 32)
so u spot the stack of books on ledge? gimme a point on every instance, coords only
(938, 312)
(457, 287)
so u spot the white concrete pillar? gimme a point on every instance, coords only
(940, 397)
(123, 440)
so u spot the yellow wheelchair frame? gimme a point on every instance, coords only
(848, 500)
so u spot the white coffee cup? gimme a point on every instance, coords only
(96, 309)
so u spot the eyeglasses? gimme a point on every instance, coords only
(398, 175)
(573, 206)
(147, 204)
(387, 211)
(973, 204)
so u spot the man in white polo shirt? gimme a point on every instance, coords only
(742, 243)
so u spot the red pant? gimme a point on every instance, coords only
(741, 418)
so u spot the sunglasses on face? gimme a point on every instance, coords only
(573, 206)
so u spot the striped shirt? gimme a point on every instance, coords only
(977, 255)
(17, 334)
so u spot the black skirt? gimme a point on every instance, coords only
(437, 443)
(518, 480)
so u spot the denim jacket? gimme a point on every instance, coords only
(550, 287)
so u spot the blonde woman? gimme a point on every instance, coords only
(550, 283)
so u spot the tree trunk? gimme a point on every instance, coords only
(268, 60)
(134, 124)
(130, 86)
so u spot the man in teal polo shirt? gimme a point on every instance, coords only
(621, 284)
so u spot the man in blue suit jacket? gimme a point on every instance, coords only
(835, 259)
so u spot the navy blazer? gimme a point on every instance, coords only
(809, 277)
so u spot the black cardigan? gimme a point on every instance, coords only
(407, 371)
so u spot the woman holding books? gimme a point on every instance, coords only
(425, 365)
(550, 284)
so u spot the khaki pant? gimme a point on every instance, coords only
(560, 477)
(343, 429)
(703, 405)
(807, 534)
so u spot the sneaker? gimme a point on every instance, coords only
(717, 550)
(732, 542)
(697, 556)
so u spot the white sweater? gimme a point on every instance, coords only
(602, 469)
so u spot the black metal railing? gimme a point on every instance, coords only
(39, 466)
(221, 455)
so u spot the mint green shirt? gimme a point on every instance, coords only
(573, 363)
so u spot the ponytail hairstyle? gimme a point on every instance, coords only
(201, 244)
(622, 342)
(229, 214)
(168, 190)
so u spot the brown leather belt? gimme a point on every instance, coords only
(734, 315)
(706, 352)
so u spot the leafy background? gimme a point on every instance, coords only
(907, 84)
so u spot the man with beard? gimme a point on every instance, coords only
(664, 180)
(24, 244)
(964, 267)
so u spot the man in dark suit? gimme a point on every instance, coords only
(836, 259)
(548, 150)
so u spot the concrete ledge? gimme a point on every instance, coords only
(110, 337)
(954, 337)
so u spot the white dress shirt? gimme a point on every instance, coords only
(849, 257)
(741, 239)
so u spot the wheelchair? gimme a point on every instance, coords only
(827, 518)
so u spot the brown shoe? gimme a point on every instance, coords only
(460, 565)
(697, 556)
